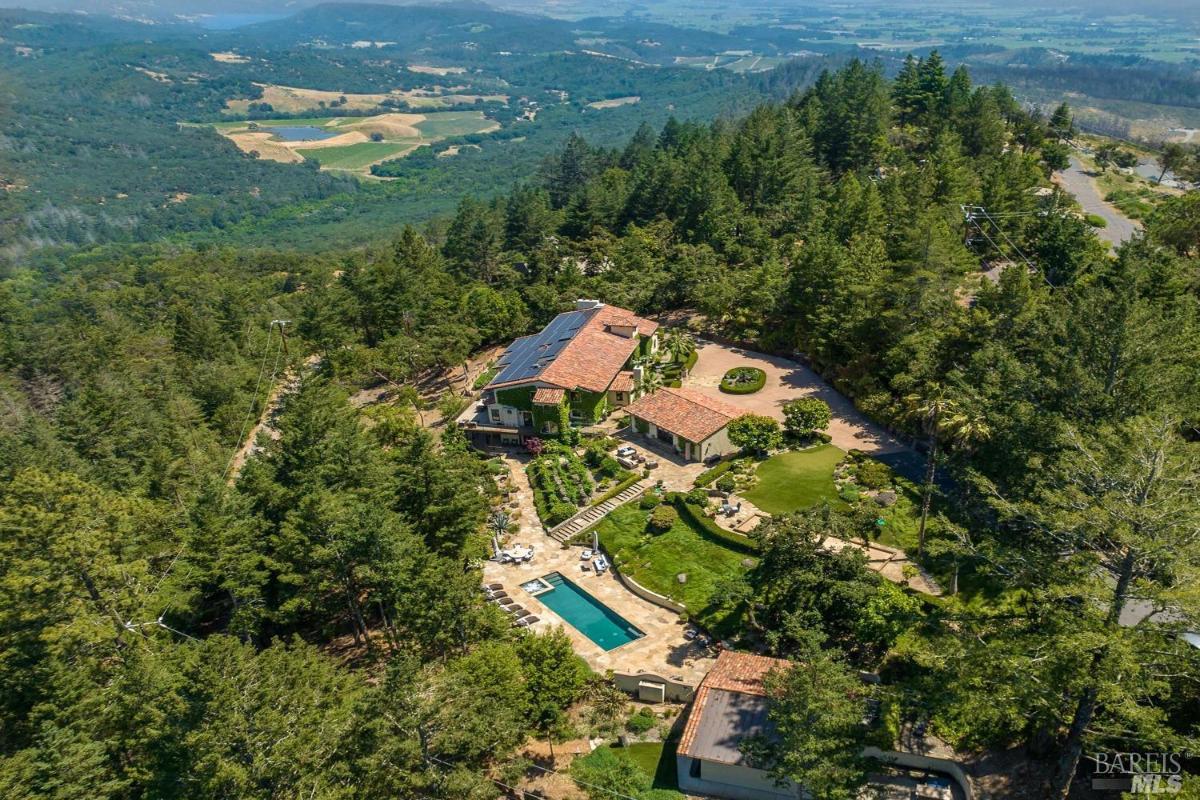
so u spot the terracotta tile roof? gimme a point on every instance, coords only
(623, 382)
(546, 396)
(685, 412)
(594, 356)
(734, 673)
(742, 672)
(625, 322)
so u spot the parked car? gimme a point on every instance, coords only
(626, 451)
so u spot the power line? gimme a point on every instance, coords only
(972, 214)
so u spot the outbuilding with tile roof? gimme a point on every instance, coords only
(690, 422)
(731, 705)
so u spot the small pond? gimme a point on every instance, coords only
(300, 133)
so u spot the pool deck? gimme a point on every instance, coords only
(662, 651)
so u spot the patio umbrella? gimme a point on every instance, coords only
(595, 541)
(496, 547)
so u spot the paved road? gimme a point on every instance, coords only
(1078, 183)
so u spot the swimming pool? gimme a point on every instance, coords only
(589, 616)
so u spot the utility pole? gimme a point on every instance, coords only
(282, 323)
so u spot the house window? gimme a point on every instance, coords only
(495, 415)
(666, 436)
(694, 769)
(527, 419)
(620, 397)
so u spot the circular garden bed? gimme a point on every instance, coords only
(743, 380)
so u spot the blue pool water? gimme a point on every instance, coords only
(592, 618)
(300, 133)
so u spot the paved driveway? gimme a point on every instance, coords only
(1080, 184)
(787, 380)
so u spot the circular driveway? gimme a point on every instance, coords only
(787, 380)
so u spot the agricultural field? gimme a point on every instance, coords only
(350, 144)
(294, 100)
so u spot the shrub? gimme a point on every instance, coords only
(849, 494)
(743, 380)
(872, 474)
(609, 467)
(726, 484)
(627, 479)
(641, 722)
(754, 432)
(593, 456)
(805, 415)
(662, 518)
(534, 445)
(710, 475)
(697, 497)
(1095, 220)
(649, 501)
(560, 512)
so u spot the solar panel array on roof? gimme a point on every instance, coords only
(526, 357)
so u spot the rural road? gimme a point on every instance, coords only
(1080, 184)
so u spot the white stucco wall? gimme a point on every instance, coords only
(717, 445)
(732, 782)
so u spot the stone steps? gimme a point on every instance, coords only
(593, 514)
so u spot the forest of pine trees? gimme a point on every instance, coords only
(313, 628)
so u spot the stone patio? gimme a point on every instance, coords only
(662, 651)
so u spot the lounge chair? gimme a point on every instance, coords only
(495, 587)
(497, 595)
(600, 563)
(521, 623)
(504, 601)
(517, 611)
(531, 619)
(586, 555)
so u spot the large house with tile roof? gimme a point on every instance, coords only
(730, 706)
(577, 369)
(689, 421)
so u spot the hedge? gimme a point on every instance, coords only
(727, 385)
(691, 360)
(712, 530)
(709, 475)
(629, 480)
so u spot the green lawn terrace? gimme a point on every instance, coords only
(655, 561)
(793, 480)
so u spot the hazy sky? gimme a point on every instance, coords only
(572, 8)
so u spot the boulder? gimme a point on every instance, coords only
(886, 498)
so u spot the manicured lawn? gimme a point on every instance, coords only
(790, 481)
(655, 561)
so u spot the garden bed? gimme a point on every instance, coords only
(561, 484)
(743, 380)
